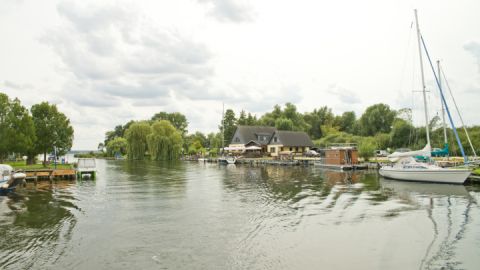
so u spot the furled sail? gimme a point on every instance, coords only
(425, 152)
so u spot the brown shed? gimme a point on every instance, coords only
(341, 156)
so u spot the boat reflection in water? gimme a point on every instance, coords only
(448, 207)
(179, 215)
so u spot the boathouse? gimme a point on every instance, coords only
(341, 156)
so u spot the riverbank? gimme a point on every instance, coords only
(22, 165)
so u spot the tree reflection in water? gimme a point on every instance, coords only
(36, 224)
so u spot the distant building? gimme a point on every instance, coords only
(269, 140)
(289, 141)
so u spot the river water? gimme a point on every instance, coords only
(181, 215)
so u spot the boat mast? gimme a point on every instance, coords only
(423, 78)
(223, 127)
(459, 115)
(441, 102)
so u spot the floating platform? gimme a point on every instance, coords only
(50, 174)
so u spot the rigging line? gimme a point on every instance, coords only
(458, 111)
(445, 103)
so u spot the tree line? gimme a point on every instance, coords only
(379, 127)
(39, 130)
(163, 137)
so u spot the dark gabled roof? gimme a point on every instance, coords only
(292, 138)
(249, 133)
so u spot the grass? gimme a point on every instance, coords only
(476, 171)
(22, 165)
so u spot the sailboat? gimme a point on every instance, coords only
(406, 167)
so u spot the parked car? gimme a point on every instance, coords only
(312, 153)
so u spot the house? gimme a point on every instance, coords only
(269, 140)
(293, 142)
(248, 136)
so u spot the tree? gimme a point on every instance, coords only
(284, 124)
(214, 143)
(117, 146)
(366, 148)
(178, 120)
(164, 141)
(136, 136)
(347, 122)
(251, 120)
(16, 128)
(229, 124)
(401, 134)
(318, 118)
(52, 129)
(242, 119)
(377, 118)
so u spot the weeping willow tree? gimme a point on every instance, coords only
(136, 136)
(164, 141)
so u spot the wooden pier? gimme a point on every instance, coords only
(50, 174)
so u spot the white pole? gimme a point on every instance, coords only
(419, 36)
(441, 102)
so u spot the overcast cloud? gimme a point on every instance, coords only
(107, 62)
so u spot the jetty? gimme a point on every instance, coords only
(86, 168)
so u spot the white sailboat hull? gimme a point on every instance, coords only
(438, 175)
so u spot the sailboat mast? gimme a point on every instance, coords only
(423, 78)
(441, 102)
(223, 126)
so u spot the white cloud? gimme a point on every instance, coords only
(230, 10)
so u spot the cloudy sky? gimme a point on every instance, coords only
(106, 62)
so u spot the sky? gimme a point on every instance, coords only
(104, 63)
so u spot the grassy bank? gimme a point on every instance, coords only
(22, 165)
(476, 172)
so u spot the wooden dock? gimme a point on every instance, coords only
(50, 174)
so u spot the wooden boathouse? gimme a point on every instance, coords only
(340, 156)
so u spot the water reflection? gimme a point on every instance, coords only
(154, 215)
(35, 224)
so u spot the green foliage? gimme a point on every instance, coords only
(318, 118)
(196, 143)
(16, 128)
(366, 147)
(52, 129)
(377, 118)
(178, 120)
(347, 122)
(136, 136)
(383, 140)
(229, 124)
(117, 146)
(164, 142)
(214, 143)
(119, 131)
(284, 124)
(401, 134)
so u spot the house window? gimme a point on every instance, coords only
(296, 149)
(290, 148)
(274, 139)
(237, 139)
(273, 150)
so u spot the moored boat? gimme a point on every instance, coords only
(9, 179)
(406, 167)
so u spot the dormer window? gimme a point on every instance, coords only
(275, 139)
(237, 139)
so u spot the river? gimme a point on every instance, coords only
(180, 215)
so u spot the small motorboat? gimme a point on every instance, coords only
(9, 179)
